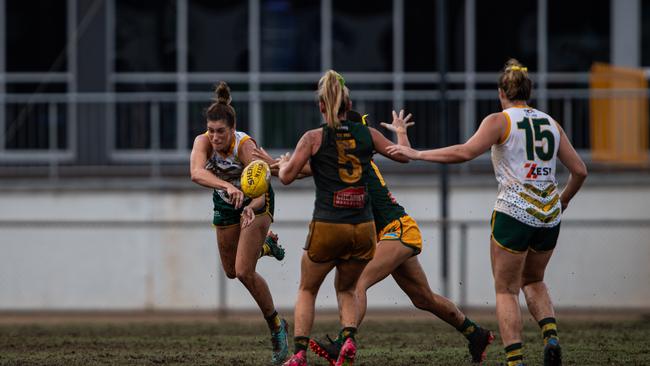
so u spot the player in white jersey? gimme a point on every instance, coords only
(217, 161)
(525, 144)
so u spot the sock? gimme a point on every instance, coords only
(514, 354)
(266, 250)
(549, 330)
(345, 333)
(273, 321)
(300, 344)
(468, 328)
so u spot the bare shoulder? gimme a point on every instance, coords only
(312, 136)
(493, 118)
(201, 139)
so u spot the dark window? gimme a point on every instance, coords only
(36, 35)
(145, 35)
(645, 33)
(285, 122)
(420, 36)
(362, 35)
(578, 34)
(133, 129)
(28, 126)
(290, 35)
(513, 33)
(218, 35)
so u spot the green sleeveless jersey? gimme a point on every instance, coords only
(340, 169)
(385, 208)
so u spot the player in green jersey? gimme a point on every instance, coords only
(342, 231)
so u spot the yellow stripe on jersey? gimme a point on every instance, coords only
(381, 179)
(542, 193)
(506, 134)
(541, 217)
(539, 204)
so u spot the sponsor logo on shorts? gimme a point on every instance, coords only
(391, 236)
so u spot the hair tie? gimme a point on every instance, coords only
(519, 68)
(341, 80)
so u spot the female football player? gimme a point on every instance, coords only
(217, 160)
(342, 231)
(398, 243)
(525, 145)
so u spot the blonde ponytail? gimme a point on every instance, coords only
(334, 95)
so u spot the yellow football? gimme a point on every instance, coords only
(256, 178)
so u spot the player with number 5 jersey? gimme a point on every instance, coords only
(342, 232)
(525, 145)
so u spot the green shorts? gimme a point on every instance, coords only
(517, 237)
(225, 214)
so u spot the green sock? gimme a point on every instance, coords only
(514, 354)
(467, 328)
(273, 321)
(345, 333)
(300, 344)
(549, 329)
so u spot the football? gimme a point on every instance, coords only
(255, 179)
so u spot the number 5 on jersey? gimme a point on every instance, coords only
(346, 159)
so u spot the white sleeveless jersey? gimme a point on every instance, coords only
(228, 167)
(524, 165)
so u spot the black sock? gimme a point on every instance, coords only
(549, 329)
(273, 321)
(300, 344)
(514, 354)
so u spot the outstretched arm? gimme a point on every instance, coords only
(291, 165)
(260, 153)
(488, 134)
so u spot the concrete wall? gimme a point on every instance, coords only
(124, 265)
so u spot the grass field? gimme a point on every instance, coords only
(389, 341)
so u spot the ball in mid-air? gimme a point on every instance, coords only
(256, 178)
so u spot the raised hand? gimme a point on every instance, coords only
(400, 123)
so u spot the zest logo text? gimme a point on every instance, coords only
(534, 171)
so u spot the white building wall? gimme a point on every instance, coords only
(134, 267)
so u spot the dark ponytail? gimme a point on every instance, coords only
(220, 109)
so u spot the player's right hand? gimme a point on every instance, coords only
(400, 123)
(236, 196)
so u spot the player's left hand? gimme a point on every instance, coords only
(400, 123)
(403, 150)
(247, 217)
